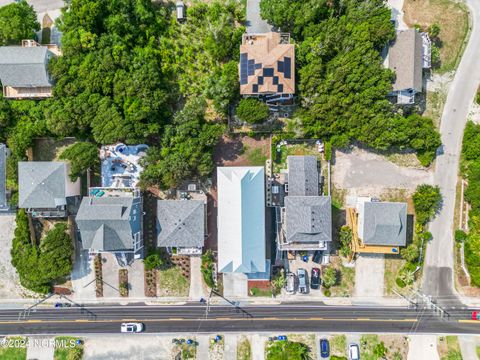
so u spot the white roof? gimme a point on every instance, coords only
(241, 219)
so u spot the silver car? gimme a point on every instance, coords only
(131, 327)
(290, 286)
(302, 281)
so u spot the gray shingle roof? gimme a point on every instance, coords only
(308, 219)
(385, 223)
(41, 184)
(302, 175)
(3, 174)
(405, 58)
(24, 66)
(181, 223)
(105, 223)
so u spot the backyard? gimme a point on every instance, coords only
(242, 151)
(283, 151)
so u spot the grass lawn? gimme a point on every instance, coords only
(434, 105)
(260, 292)
(280, 159)
(68, 353)
(244, 350)
(346, 279)
(338, 345)
(171, 282)
(393, 263)
(255, 156)
(478, 352)
(396, 347)
(448, 348)
(13, 353)
(452, 16)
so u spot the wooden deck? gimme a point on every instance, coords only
(27, 93)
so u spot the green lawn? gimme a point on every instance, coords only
(346, 282)
(256, 157)
(244, 350)
(260, 292)
(8, 352)
(280, 159)
(338, 345)
(67, 352)
(171, 282)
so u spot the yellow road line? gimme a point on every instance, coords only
(363, 319)
(469, 321)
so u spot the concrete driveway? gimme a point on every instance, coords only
(83, 275)
(369, 273)
(235, 285)
(136, 275)
(423, 347)
(110, 269)
(255, 24)
(438, 273)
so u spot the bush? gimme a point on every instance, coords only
(427, 200)
(290, 350)
(208, 269)
(327, 292)
(345, 241)
(328, 151)
(153, 261)
(460, 236)
(252, 111)
(400, 283)
(410, 253)
(329, 277)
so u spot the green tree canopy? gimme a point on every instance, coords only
(287, 350)
(252, 110)
(18, 21)
(82, 156)
(427, 201)
(329, 277)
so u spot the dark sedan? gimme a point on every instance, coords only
(315, 278)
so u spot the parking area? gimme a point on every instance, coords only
(83, 275)
(369, 274)
(235, 285)
(110, 268)
(299, 263)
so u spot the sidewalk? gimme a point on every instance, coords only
(39, 348)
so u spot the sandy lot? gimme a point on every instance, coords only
(367, 174)
(369, 272)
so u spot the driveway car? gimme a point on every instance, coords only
(353, 352)
(131, 327)
(315, 278)
(324, 348)
(302, 281)
(475, 315)
(317, 256)
(290, 286)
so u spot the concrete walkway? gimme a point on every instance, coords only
(196, 283)
(468, 347)
(110, 269)
(257, 343)
(40, 348)
(203, 346)
(369, 272)
(83, 275)
(423, 347)
(230, 348)
(136, 279)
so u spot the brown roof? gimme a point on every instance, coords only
(267, 64)
(405, 58)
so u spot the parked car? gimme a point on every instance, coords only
(290, 285)
(324, 348)
(315, 278)
(131, 327)
(317, 257)
(475, 315)
(302, 281)
(353, 352)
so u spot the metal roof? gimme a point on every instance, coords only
(302, 175)
(241, 219)
(181, 223)
(383, 223)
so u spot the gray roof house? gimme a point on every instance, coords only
(302, 175)
(181, 224)
(308, 222)
(406, 59)
(110, 224)
(306, 216)
(44, 187)
(23, 71)
(383, 223)
(3, 176)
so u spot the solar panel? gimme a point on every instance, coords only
(255, 88)
(251, 67)
(287, 69)
(280, 66)
(243, 69)
(275, 80)
(280, 88)
(258, 66)
(268, 72)
(260, 80)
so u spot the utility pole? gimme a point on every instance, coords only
(430, 304)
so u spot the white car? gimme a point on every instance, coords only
(353, 352)
(131, 327)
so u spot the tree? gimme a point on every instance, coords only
(410, 253)
(18, 21)
(427, 201)
(329, 277)
(380, 350)
(82, 156)
(252, 111)
(434, 30)
(407, 277)
(287, 350)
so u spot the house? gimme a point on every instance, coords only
(241, 220)
(267, 65)
(379, 227)
(112, 222)
(407, 57)
(306, 216)
(23, 71)
(45, 188)
(3, 177)
(181, 225)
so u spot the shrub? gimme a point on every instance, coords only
(328, 151)
(427, 200)
(329, 277)
(400, 283)
(153, 261)
(460, 235)
(252, 111)
(327, 292)
(345, 237)
(208, 269)
(410, 253)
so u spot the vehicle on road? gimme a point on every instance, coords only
(302, 281)
(324, 348)
(475, 315)
(353, 352)
(131, 327)
(290, 285)
(315, 278)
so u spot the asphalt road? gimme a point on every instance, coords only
(277, 318)
(438, 273)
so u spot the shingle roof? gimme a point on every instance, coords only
(308, 219)
(384, 223)
(105, 223)
(405, 58)
(267, 65)
(41, 184)
(181, 223)
(302, 175)
(3, 174)
(241, 219)
(24, 66)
